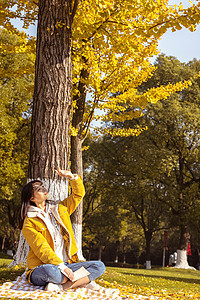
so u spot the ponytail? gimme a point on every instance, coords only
(26, 195)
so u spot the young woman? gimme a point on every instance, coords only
(48, 230)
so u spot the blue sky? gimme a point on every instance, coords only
(183, 44)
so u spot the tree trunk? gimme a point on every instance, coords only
(138, 260)
(90, 250)
(124, 250)
(198, 260)
(184, 237)
(100, 250)
(3, 243)
(52, 96)
(77, 167)
(182, 249)
(148, 236)
(76, 156)
(22, 252)
(117, 245)
(52, 100)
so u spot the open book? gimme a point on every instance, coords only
(82, 272)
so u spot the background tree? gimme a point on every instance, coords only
(103, 206)
(16, 87)
(131, 184)
(180, 131)
(164, 159)
(111, 52)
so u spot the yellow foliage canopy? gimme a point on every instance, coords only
(113, 40)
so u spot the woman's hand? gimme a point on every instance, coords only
(69, 273)
(65, 173)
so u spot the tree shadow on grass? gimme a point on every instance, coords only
(9, 274)
(186, 280)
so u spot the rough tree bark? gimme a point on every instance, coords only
(76, 154)
(52, 95)
(77, 168)
(49, 147)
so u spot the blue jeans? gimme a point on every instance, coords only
(44, 274)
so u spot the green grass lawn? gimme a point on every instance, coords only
(166, 283)
(8, 274)
(171, 279)
(5, 259)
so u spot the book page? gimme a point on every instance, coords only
(80, 273)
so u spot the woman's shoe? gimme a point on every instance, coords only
(52, 287)
(92, 285)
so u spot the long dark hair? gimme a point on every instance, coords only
(26, 195)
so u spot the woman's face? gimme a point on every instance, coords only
(40, 193)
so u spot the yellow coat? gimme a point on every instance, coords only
(39, 238)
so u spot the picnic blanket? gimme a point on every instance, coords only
(20, 288)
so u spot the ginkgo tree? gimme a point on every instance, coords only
(110, 44)
(16, 89)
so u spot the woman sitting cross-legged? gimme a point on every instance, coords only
(48, 231)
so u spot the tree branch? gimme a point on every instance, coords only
(74, 9)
